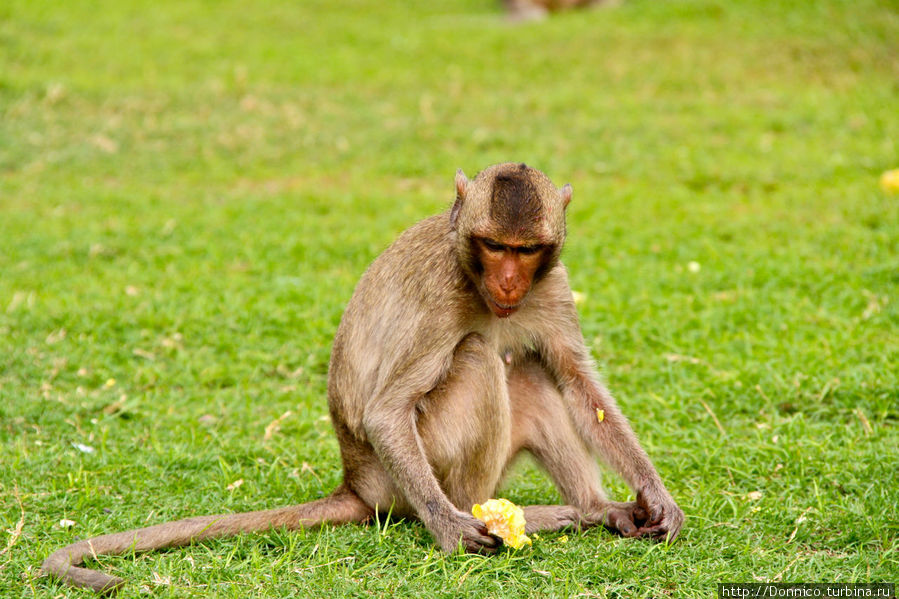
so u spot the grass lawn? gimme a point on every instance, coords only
(190, 190)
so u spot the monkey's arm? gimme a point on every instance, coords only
(615, 441)
(612, 437)
(389, 424)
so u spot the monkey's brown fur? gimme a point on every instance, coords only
(459, 349)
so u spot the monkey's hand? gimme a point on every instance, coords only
(461, 528)
(657, 514)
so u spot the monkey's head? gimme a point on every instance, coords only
(510, 227)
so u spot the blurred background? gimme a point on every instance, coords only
(190, 190)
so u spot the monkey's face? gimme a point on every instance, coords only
(509, 225)
(507, 272)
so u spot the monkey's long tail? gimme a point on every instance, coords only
(340, 507)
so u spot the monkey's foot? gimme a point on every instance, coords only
(623, 518)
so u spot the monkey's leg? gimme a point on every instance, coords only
(465, 425)
(542, 426)
(340, 507)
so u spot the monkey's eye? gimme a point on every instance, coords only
(529, 250)
(493, 246)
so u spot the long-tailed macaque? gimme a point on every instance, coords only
(459, 349)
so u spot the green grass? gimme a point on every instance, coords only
(189, 191)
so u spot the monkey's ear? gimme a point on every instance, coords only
(566, 195)
(461, 187)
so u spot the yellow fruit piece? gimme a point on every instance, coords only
(503, 519)
(600, 415)
(889, 181)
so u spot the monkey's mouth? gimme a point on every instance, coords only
(502, 310)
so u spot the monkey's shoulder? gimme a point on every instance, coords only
(419, 265)
(412, 289)
(432, 237)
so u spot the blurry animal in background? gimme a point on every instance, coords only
(533, 10)
(459, 350)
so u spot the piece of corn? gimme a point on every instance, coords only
(889, 181)
(503, 519)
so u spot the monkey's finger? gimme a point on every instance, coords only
(673, 529)
(650, 530)
(653, 508)
(481, 527)
(659, 532)
(472, 547)
(621, 522)
(482, 543)
(641, 516)
(640, 513)
(483, 534)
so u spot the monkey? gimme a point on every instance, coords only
(534, 10)
(459, 350)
